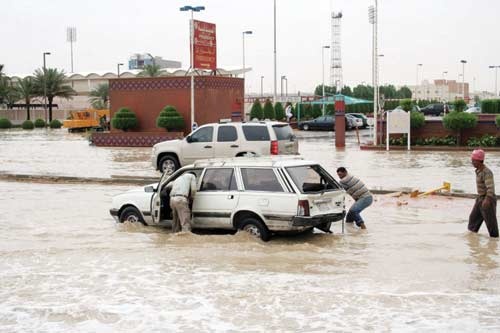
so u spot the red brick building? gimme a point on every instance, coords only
(216, 97)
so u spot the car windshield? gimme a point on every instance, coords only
(312, 179)
(283, 131)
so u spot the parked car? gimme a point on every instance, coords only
(354, 121)
(262, 195)
(433, 109)
(414, 108)
(225, 140)
(324, 123)
(363, 118)
(473, 109)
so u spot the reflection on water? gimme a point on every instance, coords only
(66, 266)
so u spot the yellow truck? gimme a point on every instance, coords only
(88, 119)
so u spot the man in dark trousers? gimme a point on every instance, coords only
(358, 191)
(485, 208)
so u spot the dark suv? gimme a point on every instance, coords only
(433, 109)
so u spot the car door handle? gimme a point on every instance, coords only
(230, 196)
(234, 146)
(207, 147)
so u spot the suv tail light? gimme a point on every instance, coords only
(303, 208)
(274, 147)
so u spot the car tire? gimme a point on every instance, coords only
(132, 215)
(305, 127)
(168, 164)
(255, 228)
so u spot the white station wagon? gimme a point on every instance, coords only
(262, 195)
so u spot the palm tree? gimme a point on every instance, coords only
(99, 96)
(4, 85)
(151, 71)
(52, 82)
(27, 90)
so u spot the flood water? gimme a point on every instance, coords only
(65, 266)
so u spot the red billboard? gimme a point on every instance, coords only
(205, 45)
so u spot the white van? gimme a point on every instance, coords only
(262, 195)
(230, 139)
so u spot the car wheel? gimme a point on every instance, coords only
(132, 215)
(305, 127)
(255, 228)
(168, 164)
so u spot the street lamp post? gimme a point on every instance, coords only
(275, 72)
(444, 85)
(496, 78)
(463, 77)
(45, 84)
(248, 32)
(261, 86)
(323, 74)
(118, 68)
(283, 77)
(416, 83)
(373, 19)
(192, 9)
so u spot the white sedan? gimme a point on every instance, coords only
(473, 109)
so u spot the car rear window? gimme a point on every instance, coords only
(256, 133)
(283, 132)
(312, 179)
(260, 180)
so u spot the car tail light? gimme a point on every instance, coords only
(274, 147)
(303, 208)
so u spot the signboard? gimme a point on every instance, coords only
(398, 121)
(205, 45)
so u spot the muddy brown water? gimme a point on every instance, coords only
(65, 266)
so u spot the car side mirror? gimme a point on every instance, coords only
(188, 139)
(149, 189)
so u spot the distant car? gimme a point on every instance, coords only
(324, 123)
(364, 119)
(473, 109)
(433, 109)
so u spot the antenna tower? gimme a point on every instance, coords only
(336, 57)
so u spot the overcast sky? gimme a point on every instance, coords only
(436, 33)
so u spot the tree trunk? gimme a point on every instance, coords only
(50, 99)
(27, 109)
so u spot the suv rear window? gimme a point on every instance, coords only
(260, 180)
(312, 178)
(256, 133)
(283, 132)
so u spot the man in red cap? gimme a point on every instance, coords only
(485, 208)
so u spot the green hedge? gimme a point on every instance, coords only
(124, 119)
(55, 124)
(39, 123)
(497, 120)
(457, 120)
(5, 123)
(170, 119)
(417, 119)
(269, 110)
(484, 141)
(256, 112)
(279, 110)
(28, 125)
(459, 105)
(490, 106)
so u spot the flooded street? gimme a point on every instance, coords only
(66, 266)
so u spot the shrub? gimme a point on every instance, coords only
(484, 141)
(279, 110)
(28, 125)
(457, 121)
(55, 124)
(256, 111)
(170, 119)
(5, 123)
(317, 111)
(417, 119)
(406, 104)
(497, 120)
(124, 119)
(460, 105)
(269, 110)
(39, 123)
(437, 141)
